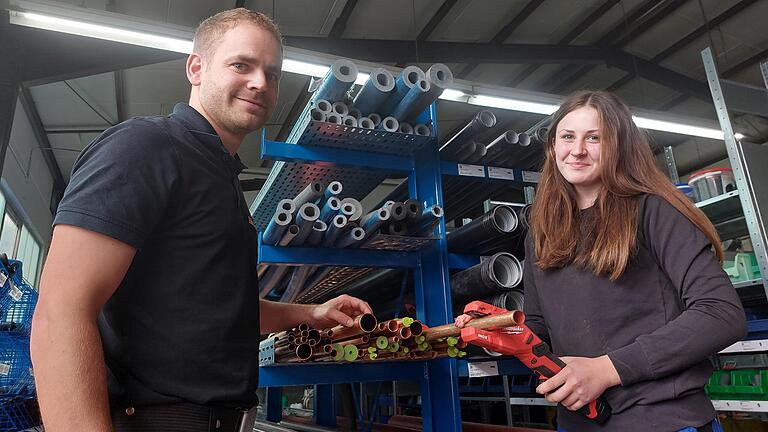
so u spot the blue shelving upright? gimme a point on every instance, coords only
(360, 159)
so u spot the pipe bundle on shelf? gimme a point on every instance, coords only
(365, 340)
(494, 275)
(424, 93)
(483, 121)
(501, 224)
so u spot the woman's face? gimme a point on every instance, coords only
(577, 151)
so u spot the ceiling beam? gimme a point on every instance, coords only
(690, 37)
(506, 32)
(341, 22)
(568, 38)
(752, 61)
(641, 20)
(25, 97)
(436, 19)
(386, 51)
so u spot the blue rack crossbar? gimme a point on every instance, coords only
(337, 257)
(277, 150)
(318, 373)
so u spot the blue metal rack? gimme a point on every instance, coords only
(361, 159)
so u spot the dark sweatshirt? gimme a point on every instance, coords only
(673, 307)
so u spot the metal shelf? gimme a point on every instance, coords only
(277, 150)
(747, 284)
(722, 207)
(357, 257)
(461, 262)
(489, 173)
(495, 367)
(747, 346)
(737, 405)
(323, 134)
(280, 375)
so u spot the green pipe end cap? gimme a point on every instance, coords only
(382, 342)
(351, 353)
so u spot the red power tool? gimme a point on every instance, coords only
(522, 343)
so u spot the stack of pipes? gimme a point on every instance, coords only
(402, 218)
(383, 102)
(506, 149)
(365, 340)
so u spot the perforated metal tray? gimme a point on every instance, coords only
(322, 134)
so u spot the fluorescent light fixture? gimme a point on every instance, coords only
(117, 34)
(454, 95)
(738, 136)
(304, 68)
(513, 104)
(97, 31)
(361, 78)
(679, 128)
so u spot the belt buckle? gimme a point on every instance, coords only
(247, 420)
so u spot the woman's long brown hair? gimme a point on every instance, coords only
(627, 169)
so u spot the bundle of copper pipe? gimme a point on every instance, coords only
(369, 340)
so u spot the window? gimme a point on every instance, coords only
(28, 253)
(9, 236)
(17, 242)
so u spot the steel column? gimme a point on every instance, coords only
(324, 405)
(669, 158)
(736, 156)
(274, 404)
(441, 410)
(9, 86)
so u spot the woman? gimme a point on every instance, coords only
(623, 275)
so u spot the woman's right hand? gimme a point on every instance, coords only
(462, 320)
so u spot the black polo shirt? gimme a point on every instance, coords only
(184, 322)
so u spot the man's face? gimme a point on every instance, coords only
(240, 79)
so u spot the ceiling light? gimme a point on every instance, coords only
(119, 34)
(98, 31)
(513, 104)
(678, 128)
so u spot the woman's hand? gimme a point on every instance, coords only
(580, 382)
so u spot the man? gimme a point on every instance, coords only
(151, 269)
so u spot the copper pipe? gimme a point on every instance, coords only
(364, 339)
(327, 333)
(304, 333)
(312, 342)
(303, 327)
(382, 326)
(508, 319)
(304, 351)
(285, 349)
(364, 323)
(416, 328)
(314, 335)
(327, 349)
(405, 332)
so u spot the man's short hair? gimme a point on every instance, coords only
(212, 29)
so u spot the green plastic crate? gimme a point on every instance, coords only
(744, 267)
(744, 384)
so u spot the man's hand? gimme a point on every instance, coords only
(580, 382)
(339, 310)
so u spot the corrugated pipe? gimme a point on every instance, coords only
(493, 275)
(499, 221)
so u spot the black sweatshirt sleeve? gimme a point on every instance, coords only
(713, 317)
(533, 315)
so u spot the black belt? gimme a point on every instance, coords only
(181, 417)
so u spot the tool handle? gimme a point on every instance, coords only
(598, 411)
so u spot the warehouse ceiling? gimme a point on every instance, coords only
(648, 51)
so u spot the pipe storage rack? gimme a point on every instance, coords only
(361, 159)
